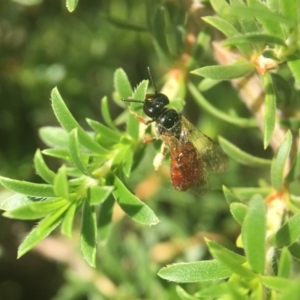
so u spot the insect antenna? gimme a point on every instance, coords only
(132, 100)
(152, 80)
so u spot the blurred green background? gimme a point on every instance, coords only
(42, 46)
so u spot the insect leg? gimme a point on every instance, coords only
(141, 119)
(159, 157)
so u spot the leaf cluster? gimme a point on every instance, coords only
(95, 165)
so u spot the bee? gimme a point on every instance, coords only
(192, 154)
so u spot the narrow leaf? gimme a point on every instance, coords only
(15, 201)
(279, 161)
(254, 234)
(194, 272)
(75, 153)
(255, 38)
(89, 234)
(229, 259)
(71, 5)
(104, 131)
(36, 210)
(239, 211)
(295, 250)
(229, 195)
(275, 283)
(270, 25)
(241, 156)
(229, 30)
(132, 123)
(105, 218)
(68, 122)
(245, 193)
(294, 65)
(132, 206)
(28, 188)
(106, 114)
(58, 153)
(54, 136)
(270, 109)
(291, 291)
(285, 263)
(122, 84)
(184, 295)
(242, 122)
(41, 231)
(228, 72)
(42, 169)
(68, 220)
(98, 194)
(288, 233)
(61, 187)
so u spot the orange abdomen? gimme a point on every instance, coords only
(186, 167)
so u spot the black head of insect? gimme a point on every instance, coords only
(154, 104)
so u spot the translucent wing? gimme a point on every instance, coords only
(211, 154)
(187, 169)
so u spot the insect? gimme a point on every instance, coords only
(192, 154)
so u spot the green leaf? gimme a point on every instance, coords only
(245, 193)
(36, 210)
(239, 211)
(61, 186)
(215, 291)
(288, 233)
(241, 156)
(195, 271)
(290, 9)
(71, 5)
(28, 188)
(106, 114)
(104, 218)
(275, 283)
(68, 122)
(285, 263)
(105, 132)
(254, 234)
(75, 153)
(132, 206)
(58, 153)
(294, 65)
(291, 291)
(255, 12)
(229, 259)
(215, 247)
(184, 295)
(41, 231)
(42, 169)
(255, 38)
(89, 233)
(229, 30)
(270, 109)
(248, 22)
(68, 220)
(15, 201)
(98, 194)
(122, 84)
(158, 29)
(228, 72)
(132, 123)
(229, 195)
(279, 162)
(270, 25)
(54, 136)
(242, 122)
(295, 250)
